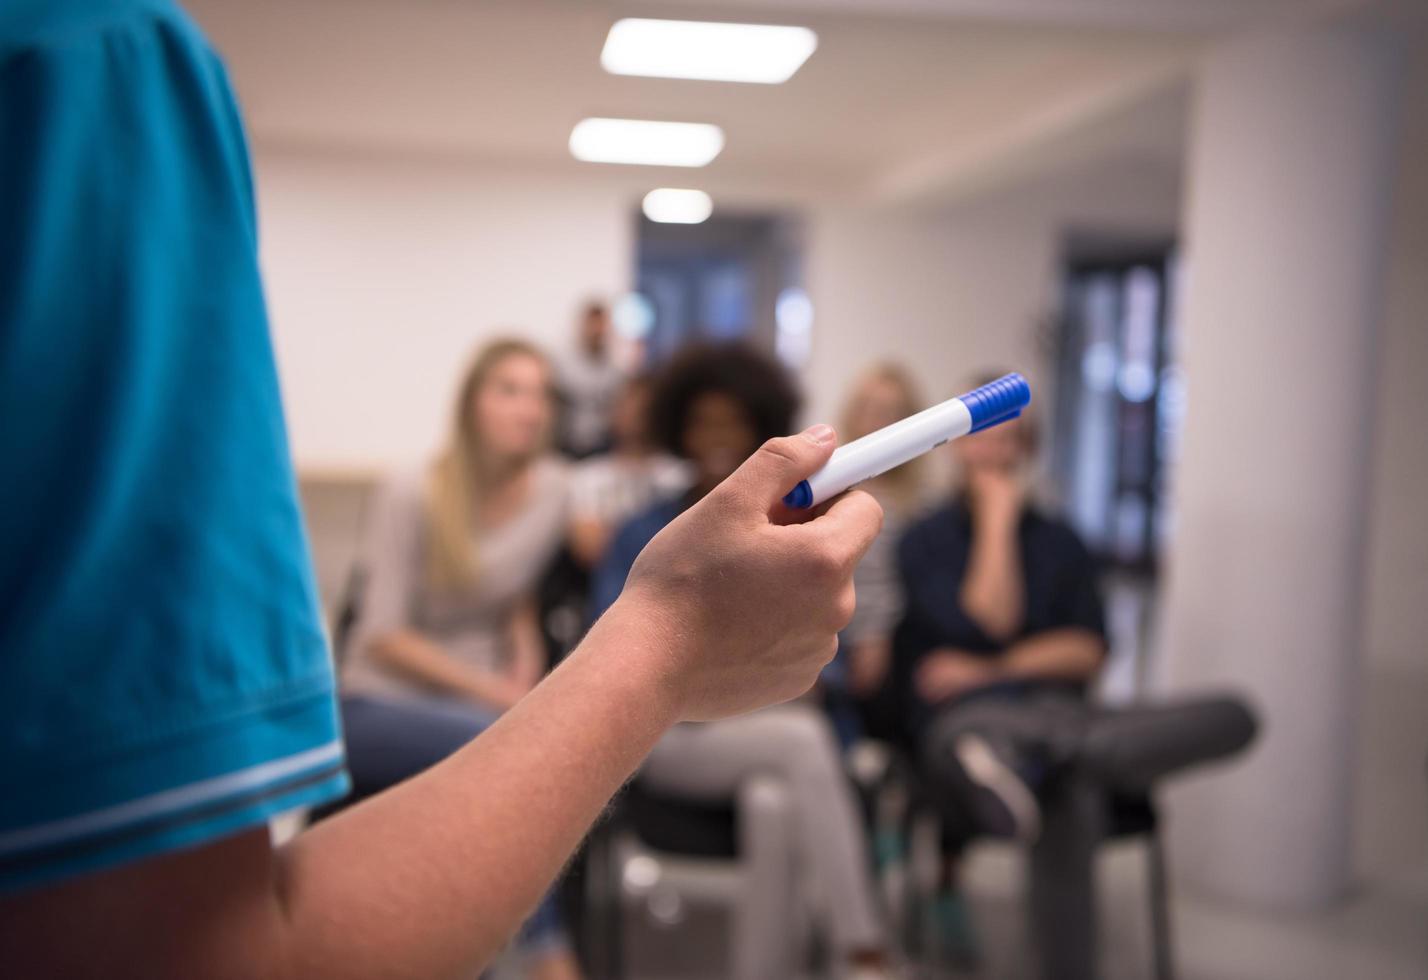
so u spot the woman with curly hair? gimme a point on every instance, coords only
(714, 406)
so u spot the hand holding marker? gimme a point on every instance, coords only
(877, 452)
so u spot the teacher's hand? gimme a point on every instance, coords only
(745, 597)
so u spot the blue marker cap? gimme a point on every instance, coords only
(999, 401)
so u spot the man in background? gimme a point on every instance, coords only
(588, 379)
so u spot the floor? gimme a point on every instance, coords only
(1379, 933)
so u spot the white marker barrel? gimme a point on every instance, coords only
(889, 447)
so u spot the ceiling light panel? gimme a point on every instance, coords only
(677, 206)
(761, 53)
(645, 141)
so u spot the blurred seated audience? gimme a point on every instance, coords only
(609, 489)
(714, 406)
(587, 380)
(1002, 621)
(883, 395)
(446, 637)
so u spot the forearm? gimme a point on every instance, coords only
(413, 655)
(991, 592)
(432, 878)
(429, 879)
(1068, 654)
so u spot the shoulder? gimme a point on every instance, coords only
(549, 494)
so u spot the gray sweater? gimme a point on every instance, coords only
(473, 623)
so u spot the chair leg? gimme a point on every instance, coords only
(762, 927)
(1063, 889)
(1162, 947)
(602, 897)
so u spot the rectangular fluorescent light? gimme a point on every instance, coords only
(660, 144)
(677, 206)
(699, 49)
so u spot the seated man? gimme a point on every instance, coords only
(1001, 611)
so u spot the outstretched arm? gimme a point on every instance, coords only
(726, 610)
(992, 592)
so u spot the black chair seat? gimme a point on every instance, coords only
(1131, 815)
(677, 826)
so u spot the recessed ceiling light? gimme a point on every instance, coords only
(677, 206)
(664, 144)
(700, 49)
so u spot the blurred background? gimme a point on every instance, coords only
(1199, 227)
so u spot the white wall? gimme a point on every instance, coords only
(1391, 811)
(951, 293)
(384, 273)
(1285, 227)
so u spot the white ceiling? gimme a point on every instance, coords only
(1157, 15)
(903, 99)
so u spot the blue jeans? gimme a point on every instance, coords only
(390, 740)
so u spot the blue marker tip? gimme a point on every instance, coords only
(799, 497)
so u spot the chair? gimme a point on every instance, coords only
(1107, 794)
(666, 855)
(1080, 816)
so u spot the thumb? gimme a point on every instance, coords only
(779, 464)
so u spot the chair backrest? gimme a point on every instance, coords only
(679, 826)
(335, 512)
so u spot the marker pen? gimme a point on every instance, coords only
(877, 452)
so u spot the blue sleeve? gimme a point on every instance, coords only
(164, 676)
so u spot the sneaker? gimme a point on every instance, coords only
(1000, 800)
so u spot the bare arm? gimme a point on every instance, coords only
(868, 663)
(411, 653)
(1066, 654)
(429, 879)
(589, 537)
(992, 591)
(432, 877)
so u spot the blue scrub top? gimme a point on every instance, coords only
(164, 675)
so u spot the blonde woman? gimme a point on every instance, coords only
(447, 637)
(883, 395)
